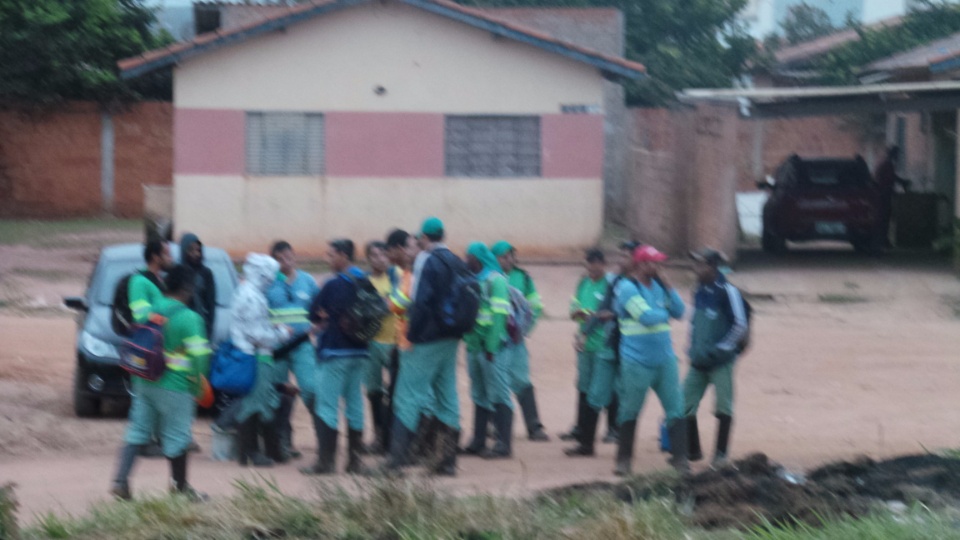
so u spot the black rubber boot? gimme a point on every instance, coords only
(401, 439)
(285, 428)
(625, 449)
(693, 438)
(531, 417)
(125, 463)
(481, 418)
(720, 458)
(424, 444)
(677, 431)
(503, 422)
(612, 436)
(272, 444)
(326, 450)
(378, 411)
(354, 448)
(448, 442)
(588, 433)
(179, 484)
(574, 433)
(248, 437)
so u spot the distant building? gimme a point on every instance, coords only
(763, 17)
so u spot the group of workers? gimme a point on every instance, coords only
(408, 369)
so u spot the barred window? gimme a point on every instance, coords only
(492, 146)
(285, 144)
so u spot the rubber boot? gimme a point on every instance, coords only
(248, 436)
(693, 438)
(354, 449)
(574, 433)
(401, 439)
(272, 445)
(121, 482)
(503, 422)
(588, 432)
(679, 445)
(528, 404)
(612, 436)
(285, 428)
(378, 414)
(326, 450)
(720, 458)
(625, 449)
(178, 474)
(425, 441)
(481, 418)
(448, 441)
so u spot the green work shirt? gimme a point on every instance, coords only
(521, 280)
(588, 298)
(142, 294)
(186, 347)
(490, 332)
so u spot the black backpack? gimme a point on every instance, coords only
(460, 306)
(362, 320)
(744, 343)
(121, 318)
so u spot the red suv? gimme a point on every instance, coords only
(821, 199)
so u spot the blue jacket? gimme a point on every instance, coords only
(335, 297)
(290, 300)
(719, 323)
(644, 315)
(432, 287)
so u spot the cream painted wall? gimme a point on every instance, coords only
(246, 214)
(426, 62)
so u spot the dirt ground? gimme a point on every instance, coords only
(851, 356)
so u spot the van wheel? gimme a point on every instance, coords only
(772, 243)
(84, 406)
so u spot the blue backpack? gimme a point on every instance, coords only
(461, 304)
(233, 372)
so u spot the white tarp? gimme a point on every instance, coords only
(750, 212)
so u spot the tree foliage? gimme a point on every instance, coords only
(53, 50)
(805, 22)
(683, 44)
(930, 20)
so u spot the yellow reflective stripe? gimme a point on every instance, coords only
(637, 306)
(289, 315)
(197, 346)
(498, 305)
(139, 307)
(630, 327)
(399, 299)
(178, 362)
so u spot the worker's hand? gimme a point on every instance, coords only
(605, 315)
(579, 315)
(664, 282)
(578, 340)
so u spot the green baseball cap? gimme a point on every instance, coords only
(432, 226)
(501, 248)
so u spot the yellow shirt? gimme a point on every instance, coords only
(388, 331)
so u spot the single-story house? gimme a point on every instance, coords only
(350, 117)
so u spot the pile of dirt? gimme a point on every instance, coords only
(756, 490)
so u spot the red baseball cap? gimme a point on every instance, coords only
(648, 254)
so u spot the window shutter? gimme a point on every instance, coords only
(492, 146)
(285, 144)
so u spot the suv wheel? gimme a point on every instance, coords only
(83, 405)
(772, 243)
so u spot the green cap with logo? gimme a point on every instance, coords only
(432, 226)
(501, 248)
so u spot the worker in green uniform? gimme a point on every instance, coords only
(289, 299)
(167, 406)
(520, 356)
(644, 306)
(717, 336)
(428, 370)
(145, 288)
(596, 362)
(487, 361)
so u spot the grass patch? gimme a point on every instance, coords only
(415, 510)
(8, 513)
(842, 299)
(43, 233)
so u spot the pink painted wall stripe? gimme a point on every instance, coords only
(405, 145)
(209, 141)
(572, 145)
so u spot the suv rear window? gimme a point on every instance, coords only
(834, 174)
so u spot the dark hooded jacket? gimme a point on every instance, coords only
(204, 299)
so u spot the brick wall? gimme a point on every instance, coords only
(50, 160)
